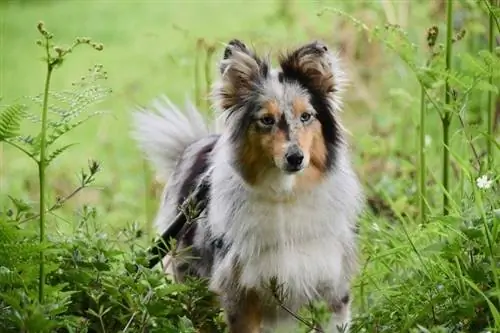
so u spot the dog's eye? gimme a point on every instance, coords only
(305, 117)
(267, 121)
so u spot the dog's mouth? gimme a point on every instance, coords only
(293, 169)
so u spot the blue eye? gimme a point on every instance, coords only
(267, 121)
(305, 117)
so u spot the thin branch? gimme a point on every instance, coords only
(492, 14)
(22, 149)
(58, 204)
(293, 314)
(474, 151)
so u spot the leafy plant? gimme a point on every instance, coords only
(83, 282)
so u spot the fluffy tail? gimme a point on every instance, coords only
(163, 132)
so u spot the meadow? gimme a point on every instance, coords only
(422, 109)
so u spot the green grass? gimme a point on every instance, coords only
(150, 49)
(412, 274)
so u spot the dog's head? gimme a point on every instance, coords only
(281, 119)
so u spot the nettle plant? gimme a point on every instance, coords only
(79, 282)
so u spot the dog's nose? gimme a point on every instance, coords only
(294, 158)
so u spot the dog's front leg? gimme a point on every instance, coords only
(243, 312)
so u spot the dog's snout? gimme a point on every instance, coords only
(294, 158)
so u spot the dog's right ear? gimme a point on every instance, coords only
(234, 45)
(241, 72)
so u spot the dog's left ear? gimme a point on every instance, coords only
(312, 66)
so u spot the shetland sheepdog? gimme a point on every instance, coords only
(282, 199)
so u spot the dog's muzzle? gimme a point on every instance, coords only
(294, 159)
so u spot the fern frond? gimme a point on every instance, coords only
(10, 121)
(57, 152)
(67, 107)
(62, 128)
(390, 36)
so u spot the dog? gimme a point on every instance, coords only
(282, 199)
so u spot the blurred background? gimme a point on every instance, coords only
(172, 47)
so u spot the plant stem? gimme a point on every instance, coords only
(208, 78)
(422, 166)
(491, 102)
(147, 202)
(446, 117)
(41, 172)
(197, 86)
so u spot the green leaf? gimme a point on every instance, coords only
(10, 120)
(486, 86)
(57, 152)
(63, 128)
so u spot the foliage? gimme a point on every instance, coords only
(85, 282)
(92, 284)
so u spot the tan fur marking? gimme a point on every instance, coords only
(273, 108)
(260, 149)
(255, 158)
(311, 142)
(248, 318)
(299, 106)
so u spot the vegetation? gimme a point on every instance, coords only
(423, 109)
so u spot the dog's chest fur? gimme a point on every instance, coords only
(302, 242)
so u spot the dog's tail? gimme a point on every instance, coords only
(163, 132)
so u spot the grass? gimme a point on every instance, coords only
(442, 272)
(155, 43)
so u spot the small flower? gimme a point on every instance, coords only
(427, 140)
(483, 182)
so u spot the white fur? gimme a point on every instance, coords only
(302, 239)
(166, 132)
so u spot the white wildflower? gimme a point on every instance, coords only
(427, 140)
(483, 182)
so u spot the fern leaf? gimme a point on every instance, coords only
(58, 152)
(10, 120)
(62, 129)
(391, 36)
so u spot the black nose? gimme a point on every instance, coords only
(294, 158)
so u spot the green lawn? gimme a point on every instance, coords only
(150, 49)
